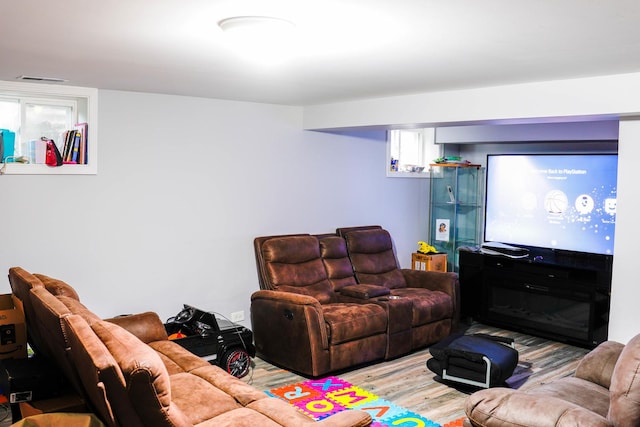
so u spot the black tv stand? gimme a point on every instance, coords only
(559, 295)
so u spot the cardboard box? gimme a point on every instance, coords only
(13, 329)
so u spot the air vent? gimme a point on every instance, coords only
(41, 79)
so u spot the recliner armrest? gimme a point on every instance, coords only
(290, 330)
(146, 326)
(436, 281)
(507, 407)
(433, 280)
(290, 297)
(294, 307)
(364, 291)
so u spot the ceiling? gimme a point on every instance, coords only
(343, 50)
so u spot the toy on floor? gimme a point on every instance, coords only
(219, 341)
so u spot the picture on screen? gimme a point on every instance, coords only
(565, 202)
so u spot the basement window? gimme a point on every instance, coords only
(410, 151)
(30, 112)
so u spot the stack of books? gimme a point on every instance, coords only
(75, 145)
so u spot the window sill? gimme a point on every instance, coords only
(39, 169)
(407, 174)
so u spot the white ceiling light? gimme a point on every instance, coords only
(257, 25)
(264, 39)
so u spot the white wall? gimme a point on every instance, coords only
(625, 289)
(183, 186)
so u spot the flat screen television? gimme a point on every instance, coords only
(553, 201)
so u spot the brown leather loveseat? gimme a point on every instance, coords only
(131, 375)
(333, 301)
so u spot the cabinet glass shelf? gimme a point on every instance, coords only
(455, 208)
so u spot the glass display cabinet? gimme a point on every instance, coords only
(455, 208)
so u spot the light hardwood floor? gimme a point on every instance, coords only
(407, 382)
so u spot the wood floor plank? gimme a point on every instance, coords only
(407, 382)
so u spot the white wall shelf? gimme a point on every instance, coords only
(87, 101)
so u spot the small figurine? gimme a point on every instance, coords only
(423, 248)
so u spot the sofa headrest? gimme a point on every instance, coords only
(291, 250)
(22, 281)
(343, 231)
(333, 250)
(293, 264)
(373, 258)
(369, 241)
(333, 247)
(57, 286)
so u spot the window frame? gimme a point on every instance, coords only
(85, 101)
(428, 150)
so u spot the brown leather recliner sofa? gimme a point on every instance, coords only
(333, 301)
(605, 391)
(131, 375)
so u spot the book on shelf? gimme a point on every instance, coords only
(82, 150)
(75, 145)
(69, 137)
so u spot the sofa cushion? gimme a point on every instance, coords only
(427, 305)
(583, 393)
(348, 322)
(201, 400)
(175, 359)
(624, 408)
(501, 406)
(242, 392)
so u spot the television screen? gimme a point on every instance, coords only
(561, 201)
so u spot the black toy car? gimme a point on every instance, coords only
(219, 341)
